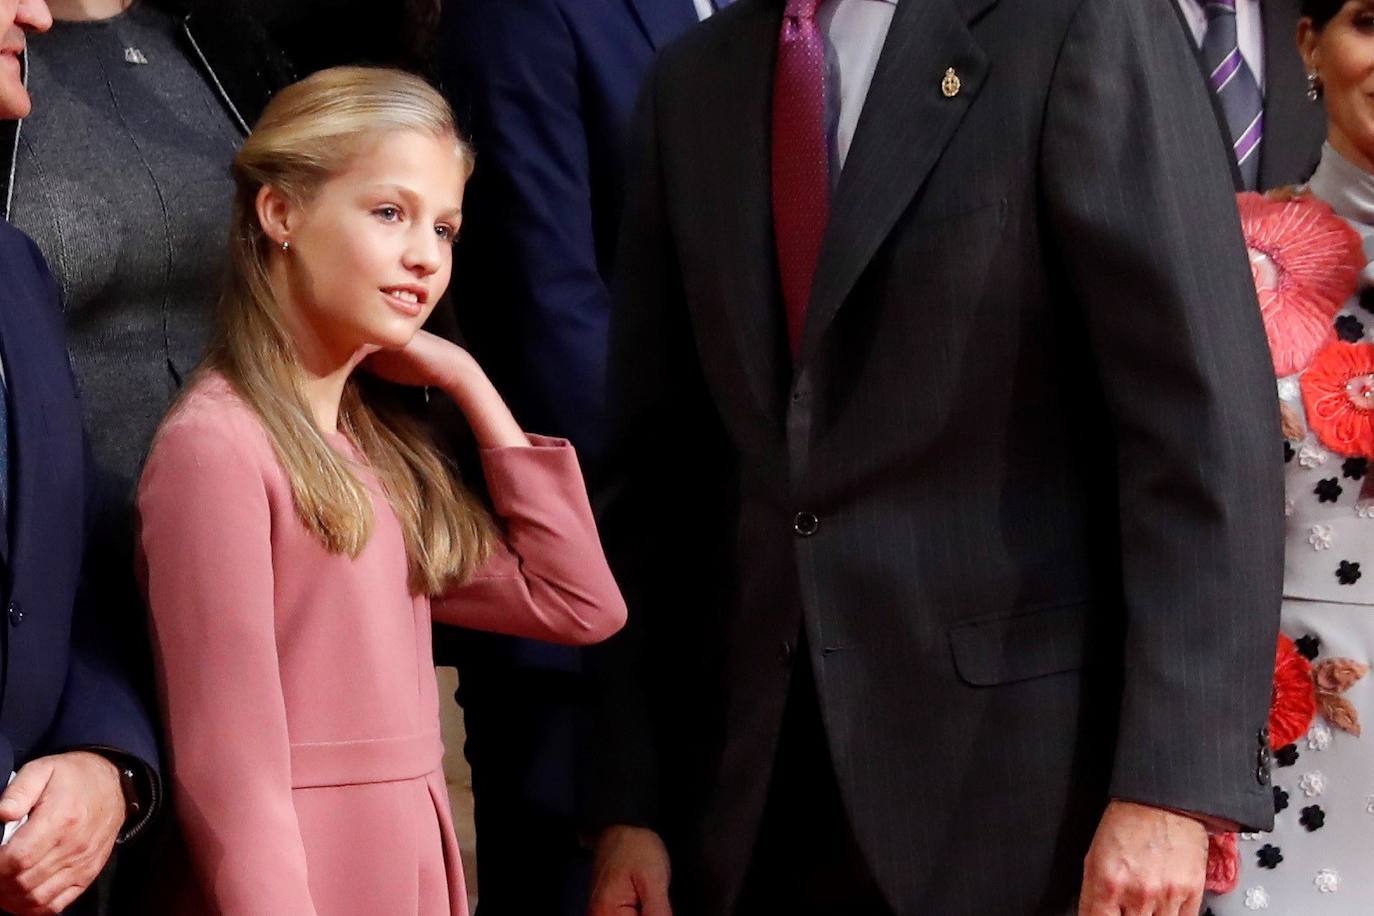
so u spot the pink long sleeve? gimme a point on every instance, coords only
(549, 579)
(206, 554)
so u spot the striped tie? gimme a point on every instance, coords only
(1235, 85)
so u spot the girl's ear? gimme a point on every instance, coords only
(276, 215)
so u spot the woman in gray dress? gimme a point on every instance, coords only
(122, 178)
(1310, 252)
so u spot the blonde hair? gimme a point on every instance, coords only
(308, 133)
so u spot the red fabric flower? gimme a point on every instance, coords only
(1223, 863)
(1306, 262)
(1295, 698)
(1338, 394)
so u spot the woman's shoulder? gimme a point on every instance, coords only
(212, 418)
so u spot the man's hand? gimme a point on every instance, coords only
(630, 874)
(75, 809)
(1144, 862)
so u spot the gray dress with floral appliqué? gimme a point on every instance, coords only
(1319, 859)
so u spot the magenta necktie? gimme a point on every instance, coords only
(801, 159)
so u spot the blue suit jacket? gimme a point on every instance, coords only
(64, 686)
(545, 90)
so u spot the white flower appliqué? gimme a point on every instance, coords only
(1319, 536)
(1327, 881)
(1256, 898)
(1288, 389)
(1312, 784)
(1319, 736)
(1309, 456)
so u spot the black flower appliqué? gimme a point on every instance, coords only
(1308, 646)
(1269, 856)
(1313, 817)
(1328, 490)
(1367, 299)
(1348, 573)
(1287, 755)
(1355, 468)
(1349, 328)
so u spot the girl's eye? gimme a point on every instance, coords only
(388, 213)
(444, 232)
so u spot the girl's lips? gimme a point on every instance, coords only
(404, 306)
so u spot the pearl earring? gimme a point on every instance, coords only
(1314, 86)
(286, 246)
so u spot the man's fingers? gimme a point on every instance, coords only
(21, 795)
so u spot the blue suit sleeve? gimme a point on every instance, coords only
(102, 708)
(515, 71)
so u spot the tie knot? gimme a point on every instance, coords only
(1215, 8)
(801, 9)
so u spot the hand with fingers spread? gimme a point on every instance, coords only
(1144, 861)
(75, 808)
(630, 874)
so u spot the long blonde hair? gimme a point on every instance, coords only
(308, 133)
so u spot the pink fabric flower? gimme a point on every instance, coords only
(1338, 395)
(1306, 262)
(1294, 703)
(1223, 863)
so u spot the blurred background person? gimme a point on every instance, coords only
(71, 721)
(121, 175)
(1254, 74)
(544, 89)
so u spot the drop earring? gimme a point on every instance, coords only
(1314, 86)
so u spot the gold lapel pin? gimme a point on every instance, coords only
(950, 85)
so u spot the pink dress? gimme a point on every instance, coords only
(298, 686)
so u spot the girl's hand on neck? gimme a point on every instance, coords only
(431, 361)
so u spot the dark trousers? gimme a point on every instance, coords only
(806, 860)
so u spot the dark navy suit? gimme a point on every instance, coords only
(63, 685)
(545, 91)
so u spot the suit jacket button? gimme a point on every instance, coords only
(1262, 775)
(16, 613)
(805, 524)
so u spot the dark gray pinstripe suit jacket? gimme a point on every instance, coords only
(1034, 415)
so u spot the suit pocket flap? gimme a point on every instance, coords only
(1024, 645)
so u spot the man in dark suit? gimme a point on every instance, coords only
(945, 498)
(545, 90)
(1269, 82)
(71, 721)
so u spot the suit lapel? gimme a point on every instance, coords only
(735, 204)
(26, 429)
(663, 20)
(906, 122)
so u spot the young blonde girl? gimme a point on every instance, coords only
(298, 536)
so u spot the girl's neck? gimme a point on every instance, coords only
(87, 10)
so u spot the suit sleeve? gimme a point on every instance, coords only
(102, 708)
(1141, 212)
(517, 74)
(547, 578)
(207, 561)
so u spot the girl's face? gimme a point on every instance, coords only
(371, 253)
(1342, 56)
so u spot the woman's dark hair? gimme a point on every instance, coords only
(1321, 11)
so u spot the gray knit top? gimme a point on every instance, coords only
(122, 178)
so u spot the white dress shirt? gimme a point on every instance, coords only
(1249, 31)
(704, 9)
(854, 34)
